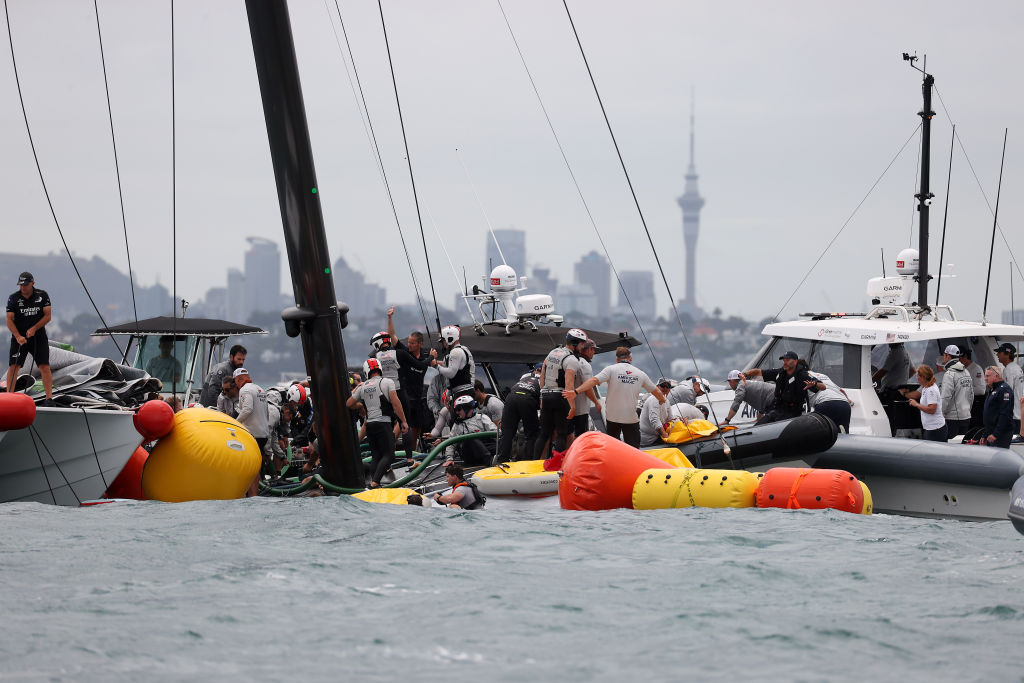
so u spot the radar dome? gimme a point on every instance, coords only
(503, 279)
(907, 262)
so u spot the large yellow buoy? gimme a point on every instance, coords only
(206, 456)
(658, 489)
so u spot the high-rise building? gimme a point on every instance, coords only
(639, 286)
(577, 299)
(363, 298)
(593, 270)
(691, 203)
(235, 304)
(513, 246)
(1013, 317)
(262, 276)
(541, 282)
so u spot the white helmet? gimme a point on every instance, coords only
(297, 393)
(466, 403)
(450, 334)
(371, 365)
(378, 340)
(575, 336)
(702, 383)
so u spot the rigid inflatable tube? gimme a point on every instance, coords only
(927, 460)
(810, 433)
(659, 489)
(805, 488)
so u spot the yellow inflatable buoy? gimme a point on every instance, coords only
(206, 456)
(682, 488)
(383, 495)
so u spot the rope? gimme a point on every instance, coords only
(846, 223)
(579, 191)
(117, 168)
(364, 111)
(55, 464)
(408, 159)
(92, 442)
(42, 466)
(42, 180)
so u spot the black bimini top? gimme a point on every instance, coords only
(527, 346)
(202, 327)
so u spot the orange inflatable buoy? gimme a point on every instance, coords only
(128, 484)
(17, 411)
(154, 419)
(599, 473)
(794, 488)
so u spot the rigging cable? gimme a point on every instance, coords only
(480, 204)
(913, 204)
(408, 158)
(455, 274)
(174, 221)
(117, 168)
(1009, 250)
(995, 224)
(945, 216)
(364, 111)
(579, 191)
(42, 181)
(846, 223)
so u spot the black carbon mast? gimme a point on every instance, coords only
(924, 197)
(316, 315)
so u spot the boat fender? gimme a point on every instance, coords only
(128, 484)
(659, 489)
(206, 456)
(794, 488)
(17, 411)
(154, 420)
(1016, 513)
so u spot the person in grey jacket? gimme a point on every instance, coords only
(957, 393)
(213, 382)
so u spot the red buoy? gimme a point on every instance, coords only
(795, 488)
(17, 411)
(599, 473)
(128, 484)
(154, 419)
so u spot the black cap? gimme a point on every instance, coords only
(1007, 347)
(790, 355)
(25, 279)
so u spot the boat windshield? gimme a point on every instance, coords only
(166, 358)
(841, 362)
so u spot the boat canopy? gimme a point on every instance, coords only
(164, 325)
(529, 346)
(871, 331)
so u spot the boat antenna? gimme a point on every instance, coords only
(945, 216)
(364, 111)
(924, 197)
(479, 203)
(995, 223)
(579, 191)
(883, 261)
(408, 159)
(174, 216)
(1013, 316)
(455, 274)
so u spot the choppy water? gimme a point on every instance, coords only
(337, 589)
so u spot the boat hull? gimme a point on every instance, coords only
(66, 456)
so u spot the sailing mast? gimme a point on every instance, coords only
(315, 315)
(924, 197)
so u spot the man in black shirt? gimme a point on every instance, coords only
(28, 311)
(413, 362)
(791, 385)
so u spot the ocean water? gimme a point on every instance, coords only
(335, 589)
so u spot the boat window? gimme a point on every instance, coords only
(505, 374)
(841, 362)
(167, 359)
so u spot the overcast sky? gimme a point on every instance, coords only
(800, 106)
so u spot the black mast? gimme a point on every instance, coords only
(924, 197)
(316, 316)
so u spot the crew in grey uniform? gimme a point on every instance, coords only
(559, 372)
(957, 393)
(458, 367)
(380, 400)
(581, 422)
(488, 404)
(1013, 375)
(739, 387)
(654, 416)
(759, 395)
(469, 421)
(831, 401)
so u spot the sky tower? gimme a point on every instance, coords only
(691, 203)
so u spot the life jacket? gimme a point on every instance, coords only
(528, 385)
(479, 499)
(464, 377)
(555, 362)
(389, 366)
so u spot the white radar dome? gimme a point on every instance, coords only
(907, 262)
(503, 279)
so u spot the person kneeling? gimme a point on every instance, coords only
(464, 494)
(469, 421)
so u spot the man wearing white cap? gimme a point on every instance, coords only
(957, 393)
(739, 385)
(252, 407)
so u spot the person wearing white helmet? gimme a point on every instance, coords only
(298, 397)
(559, 372)
(458, 367)
(380, 401)
(581, 422)
(625, 382)
(468, 420)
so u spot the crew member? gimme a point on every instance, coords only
(654, 416)
(1013, 376)
(380, 400)
(489, 404)
(831, 401)
(301, 402)
(977, 374)
(997, 429)
(413, 362)
(625, 382)
(957, 393)
(791, 386)
(214, 379)
(458, 367)
(252, 413)
(166, 367)
(469, 421)
(581, 422)
(739, 387)
(558, 373)
(28, 312)
(521, 404)
(227, 399)
(463, 494)
(895, 371)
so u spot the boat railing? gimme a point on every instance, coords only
(938, 313)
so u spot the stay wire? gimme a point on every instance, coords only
(408, 159)
(846, 223)
(913, 204)
(1009, 250)
(42, 181)
(579, 190)
(371, 134)
(636, 201)
(174, 219)
(117, 167)
(945, 216)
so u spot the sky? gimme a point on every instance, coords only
(800, 107)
